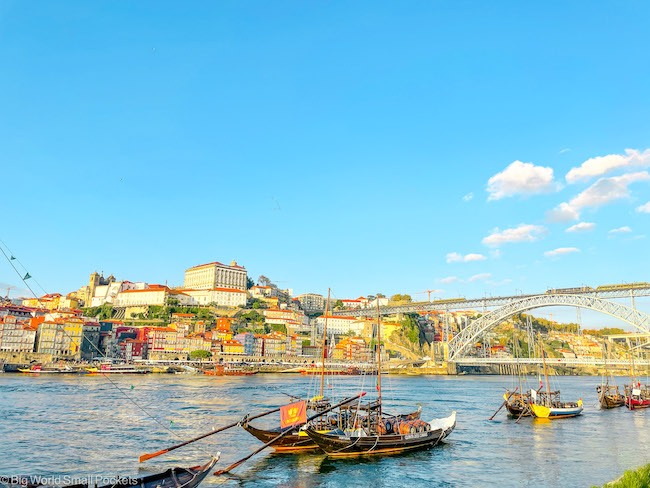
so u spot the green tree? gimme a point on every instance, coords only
(338, 304)
(249, 283)
(256, 305)
(200, 354)
(279, 327)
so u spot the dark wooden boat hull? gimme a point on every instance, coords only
(610, 401)
(295, 442)
(517, 404)
(288, 443)
(349, 446)
(517, 411)
(172, 478)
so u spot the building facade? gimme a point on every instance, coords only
(215, 275)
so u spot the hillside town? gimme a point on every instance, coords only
(219, 312)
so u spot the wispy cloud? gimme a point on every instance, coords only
(605, 190)
(582, 227)
(560, 251)
(645, 208)
(521, 179)
(522, 233)
(468, 197)
(620, 230)
(566, 149)
(480, 277)
(454, 257)
(604, 164)
(449, 279)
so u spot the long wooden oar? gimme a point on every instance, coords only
(146, 457)
(504, 402)
(287, 432)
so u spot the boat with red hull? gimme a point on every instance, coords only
(637, 396)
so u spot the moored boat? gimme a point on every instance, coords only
(221, 371)
(547, 404)
(402, 437)
(172, 478)
(637, 396)
(609, 396)
(365, 430)
(39, 369)
(116, 369)
(518, 404)
(550, 407)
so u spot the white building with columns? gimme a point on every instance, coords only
(215, 275)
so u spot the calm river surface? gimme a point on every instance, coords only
(83, 426)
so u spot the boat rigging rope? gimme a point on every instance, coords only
(72, 341)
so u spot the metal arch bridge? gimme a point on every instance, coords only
(471, 333)
(486, 302)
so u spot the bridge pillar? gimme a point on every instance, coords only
(451, 368)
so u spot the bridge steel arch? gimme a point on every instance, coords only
(470, 334)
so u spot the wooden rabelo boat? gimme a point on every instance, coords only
(299, 440)
(296, 440)
(608, 395)
(172, 478)
(364, 430)
(636, 395)
(518, 404)
(547, 404)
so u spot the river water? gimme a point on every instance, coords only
(82, 426)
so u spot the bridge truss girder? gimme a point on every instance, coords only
(469, 334)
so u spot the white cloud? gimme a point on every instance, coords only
(620, 230)
(604, 191)
(481, 277)
(562, 213)
(523, 233)
(566, 149)
(604, 164)
(474, 257)
(521, 179)
(468, 197)
(449, 279)
(454, 257)
(560, 251)
(644, 208)
(582, 227)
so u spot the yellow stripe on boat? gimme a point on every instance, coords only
(302, 433)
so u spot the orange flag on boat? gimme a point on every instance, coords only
(293, 414)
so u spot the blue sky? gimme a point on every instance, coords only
(327, 144)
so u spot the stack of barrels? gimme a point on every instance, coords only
(397, 426)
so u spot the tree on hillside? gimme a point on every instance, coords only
(338, 304)
(263, 281)
(401, 298)
(200, 354)
(249, 283)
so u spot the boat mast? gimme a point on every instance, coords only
(379, 357)
(322, 369)
(548, 386)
